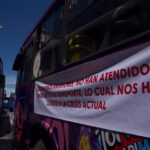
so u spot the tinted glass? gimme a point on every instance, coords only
(111, 29)
(44, 63)
(84, 11)
(48, 25)
(58, 19)
(47, 30)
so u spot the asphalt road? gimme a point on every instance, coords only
(5, 131)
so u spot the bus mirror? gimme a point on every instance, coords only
(18, 61)
(2, 81)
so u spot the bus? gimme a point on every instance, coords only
(83, 78)
(2, 85)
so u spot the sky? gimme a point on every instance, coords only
(18, 18)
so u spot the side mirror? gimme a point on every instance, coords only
(2, 81)
(18, 62)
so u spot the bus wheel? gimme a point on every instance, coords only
(40, 145)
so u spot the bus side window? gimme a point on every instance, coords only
(47, 30)
(85, 11)
(87, 29)
(58, 19)
(78, 47)
(114, 28)
(134, 21)
(44, 63)
(51, 27)
(124, 29)
(45, 58)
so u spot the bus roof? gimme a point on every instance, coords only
(31, 36)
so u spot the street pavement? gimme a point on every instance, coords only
(5, 130)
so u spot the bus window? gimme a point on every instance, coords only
(58, 19)
(84, 11)
(45, 58)
(91, 24)
(78, 47)
(79, 5)
(125, 25)
(47, 30)
(52, 26)
(129, 23)
(106, 30)
(44, 63)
